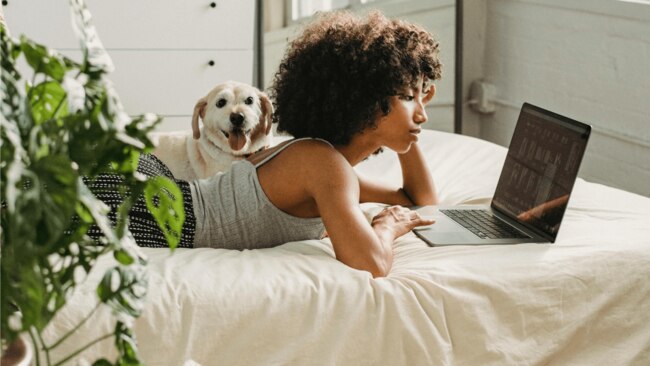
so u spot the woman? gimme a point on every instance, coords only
(347, 87)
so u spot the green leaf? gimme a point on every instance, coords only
(12, 166)
(141, 125)
(10, 44)
(126, 345)
(22, 224)
(123, 257)
(97, 209)
(58, 195)
(76, 95)
(97, 59)
(32, 298)
(165, 201)
(102, 362)
(48, 101)
(12, 98)
(123, 288)
(7, 303)
(43, 60)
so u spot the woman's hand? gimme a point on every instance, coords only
(417, 189)
(333, 184)
(395, 221)
(417, 181)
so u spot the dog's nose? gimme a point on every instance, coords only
(236, 119)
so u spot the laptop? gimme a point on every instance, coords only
(532, 193)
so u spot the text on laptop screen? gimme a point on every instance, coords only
(540, 170)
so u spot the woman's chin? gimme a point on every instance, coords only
(405, 149)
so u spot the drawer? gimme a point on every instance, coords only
(170, 82)
(134, 24)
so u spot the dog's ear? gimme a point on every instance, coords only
(267, 112)
(199, 109)
(264, 124)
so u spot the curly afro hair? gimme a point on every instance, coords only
(340, 72)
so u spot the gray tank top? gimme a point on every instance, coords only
(233, 212)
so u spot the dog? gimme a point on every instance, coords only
(236, 123)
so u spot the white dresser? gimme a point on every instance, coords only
(167, 53)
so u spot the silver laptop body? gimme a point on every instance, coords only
(533, 189)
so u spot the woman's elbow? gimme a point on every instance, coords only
(379, 273)
(425, 201)
(379, 269)
(421, 199)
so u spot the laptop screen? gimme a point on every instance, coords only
(540, 169)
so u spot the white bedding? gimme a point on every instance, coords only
(584, 300)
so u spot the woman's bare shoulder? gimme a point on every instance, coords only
(313, 168)
(313, 164)
(325, 171)
(316, 156)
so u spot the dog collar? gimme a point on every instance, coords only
(246, 156)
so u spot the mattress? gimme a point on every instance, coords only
(584, 300)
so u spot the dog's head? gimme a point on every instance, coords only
(236, 117)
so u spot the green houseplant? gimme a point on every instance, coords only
(63, 123)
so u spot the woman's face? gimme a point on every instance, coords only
(400, 127)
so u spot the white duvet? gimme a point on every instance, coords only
(584, 300)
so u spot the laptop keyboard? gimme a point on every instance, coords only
(483, 224)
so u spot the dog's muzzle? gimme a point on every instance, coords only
(237, 119)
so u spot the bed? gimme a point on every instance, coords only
(584, 300)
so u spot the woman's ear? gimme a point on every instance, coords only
(430, 93)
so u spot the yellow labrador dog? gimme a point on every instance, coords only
(236, 123)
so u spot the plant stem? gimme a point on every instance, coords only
(89, 344)
(37, 354)
(47, 351)
(71, 331)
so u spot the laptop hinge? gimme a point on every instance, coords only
(501, 214)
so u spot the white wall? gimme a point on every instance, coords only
(437, 16)
(589, 60)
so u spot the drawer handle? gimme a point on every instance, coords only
(5, 2)
(213, 4)
(211, 63)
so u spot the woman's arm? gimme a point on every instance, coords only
(357, 243)
(417, 181)
(417, 188)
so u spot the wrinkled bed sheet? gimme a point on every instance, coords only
(584, 300)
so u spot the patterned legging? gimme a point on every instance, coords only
(142, 224)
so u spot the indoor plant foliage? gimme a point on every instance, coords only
(58, 125)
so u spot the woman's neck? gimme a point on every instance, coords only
(360, 147)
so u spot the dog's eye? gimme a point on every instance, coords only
(249, 100)
(221, 102)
